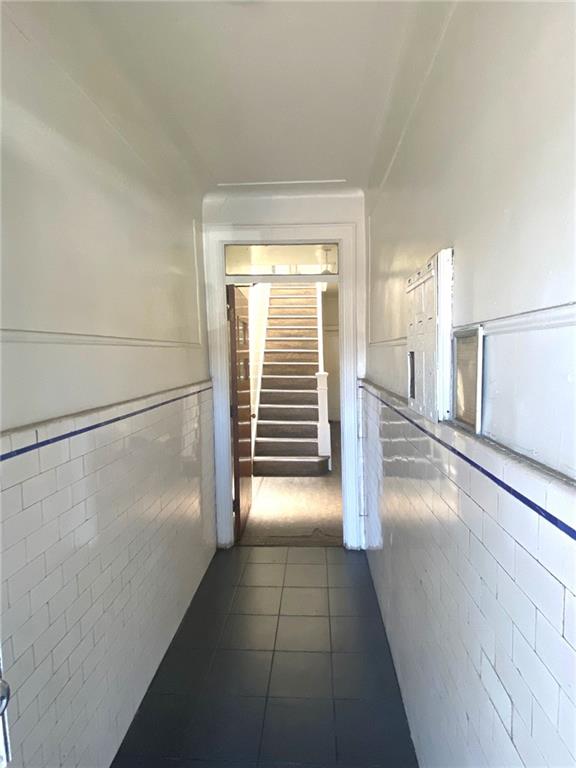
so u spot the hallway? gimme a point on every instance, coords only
(281, 658)
(227, 228)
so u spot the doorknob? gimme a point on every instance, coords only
(4, 696)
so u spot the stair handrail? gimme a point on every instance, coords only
(324, 442)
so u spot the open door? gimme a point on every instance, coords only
(240, 410)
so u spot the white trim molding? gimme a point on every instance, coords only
(351, 282)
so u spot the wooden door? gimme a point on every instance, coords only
(240, 410)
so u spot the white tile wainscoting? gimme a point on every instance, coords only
(477, 590)
(106, 535)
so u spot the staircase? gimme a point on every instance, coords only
(288, 412)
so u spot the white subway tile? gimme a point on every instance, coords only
(498, 543)
(27, 634)
(54, 454)
(524, 743)
(515, 686)
(38, 487)
(471, 513)
(518, 520)
(570, 618)
(549, 741)
(69, 473)
(149, 534)
(62, 600)
(17, 527)
(557, 655)
(538, 678)
(498, 694)
(561, 501)
(26, 579)
(13, 559)
(517, 605)
(10, 501)
(42, 539)
(53, 506)
(72, 518)
(557, 552)
(484, 492)
(46, 589)
(542, 588)
(19, 469)
(483, 562)
(567, 723)
(45, 644)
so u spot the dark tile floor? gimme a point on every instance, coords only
(281, 660)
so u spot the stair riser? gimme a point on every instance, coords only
(263, 468)
(287, 430)
(287, 311)
(287, 398)
(281, 322)
(292, 357)
(278, 302)
(271, 448)
(290, 332)
(306, 344)
(277, 293)
(292, 382)
(292, 413)
(288, 368)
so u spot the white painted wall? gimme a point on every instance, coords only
(101, 250)
(486, 166)
(105, 535)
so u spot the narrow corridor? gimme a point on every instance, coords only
(281, 658)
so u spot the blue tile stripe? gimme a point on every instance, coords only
(83, 430)
(562, 526)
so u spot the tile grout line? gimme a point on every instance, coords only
(267, 696)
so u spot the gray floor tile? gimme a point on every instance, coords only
(306, 575)
(341, 555)
(199, 630)
(373, 733)
(299, 730)
(301, 675)
(257, 600)
(308, 555)
(353, 601)
(303, 633)
(349, 575)
(304, 601)
(364, 676)
(239, 673)
(268, 554)
(255, 633)
(263, 575)
(181, 671)
(225, 728)
(358, 635)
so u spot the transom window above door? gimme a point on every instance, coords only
(294, 259)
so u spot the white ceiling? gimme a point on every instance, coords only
(250, 91)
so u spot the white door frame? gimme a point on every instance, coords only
(350, 283)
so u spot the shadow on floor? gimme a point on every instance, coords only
(298, 511)
(282, 658)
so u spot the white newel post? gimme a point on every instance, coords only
(324, 444)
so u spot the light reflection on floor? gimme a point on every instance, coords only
(298, 510)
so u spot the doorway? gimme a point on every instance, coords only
(349, 281)
(288, 387)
